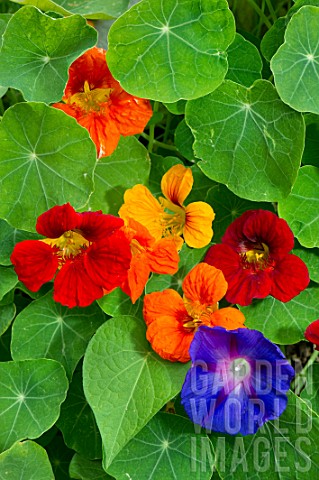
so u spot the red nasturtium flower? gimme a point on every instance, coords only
(97, 101)
(172, 320)
(312, 333)
(168, 217)
(148, 255)
(88, 250)
(254, 257)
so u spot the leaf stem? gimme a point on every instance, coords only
(260, 13)
(271, 10)
(300, 379)
(152, 131)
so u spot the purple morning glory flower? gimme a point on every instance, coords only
(238, 380)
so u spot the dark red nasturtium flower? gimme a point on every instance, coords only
(312, 333)
(87, 250)
(255, 260)
(98, 102)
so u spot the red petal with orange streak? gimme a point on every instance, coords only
(34, 262)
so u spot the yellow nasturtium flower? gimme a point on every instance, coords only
(168, 217)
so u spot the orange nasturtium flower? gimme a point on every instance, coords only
(98, 102)
(148, 255)
(172, 320)
(168, 217)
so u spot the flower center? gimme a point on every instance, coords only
(174, 221)
(70, 244)
(91, 99)
(200, 313)
(257, 256)
(240, 369)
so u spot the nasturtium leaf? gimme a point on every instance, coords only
(311, 258)
(46, 329)
(247, 139)
(295, 66)
(244, 62)
(83, 469)
(125, 382)
(7, 313)
(31, 392)
(128, 165)
(77, 422)
(9, 236)
(46, 159)
(37, 51)
(94, 9)
(311, 391)
(8, 280)
(118, 303)
(25, 461)
(165, 448)
(189, 257)
(301, 208)
(184, 140)
(273, 38)
(286, 448)
(228, 207)
(60, 457)
(167, 50)
(283, 323)
(178, 108)
(311, 152)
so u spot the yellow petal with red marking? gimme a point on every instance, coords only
(198, 230)
(177, 183)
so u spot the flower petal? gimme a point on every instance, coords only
(243, 284)
(312, 333)
(140, 204)
(198, 224)
(107, 262)
(204, 284)
(58, 220)
(164, 314)
(177, 183)
(102, 130)
(163, 257)
(96, 225)
(137, 278)
(289, 277)
(74, 287)
(229, 318)
(129, 113)
(34, 262)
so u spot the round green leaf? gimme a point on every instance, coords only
(295, 65)
(95, 9)
(284, 449)
(40, 167)
(184, 140)
(311, 152)
(8, 280)
(244, 61)
(37, 51)
(168, 50)
(60, 457)
(31, 393)
(25, 461)
(84, 469)
(125, 382)
(128, 165)
(273, 38)
(9, 236)
(118, 303)
(311, 258)
(77, 422)
(301, 208)
(46, 329)
(283, 323)
(7, 314)
(247, 139)
(165, 448)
